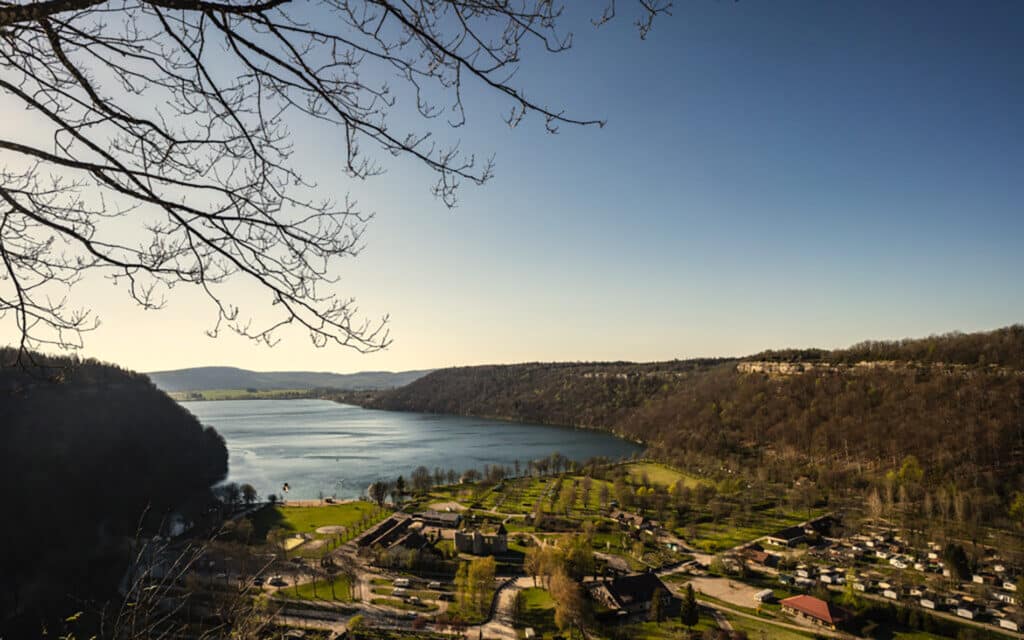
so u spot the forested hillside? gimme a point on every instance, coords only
(843, 427)
(86, 451)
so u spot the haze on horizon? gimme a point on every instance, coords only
(771, 175)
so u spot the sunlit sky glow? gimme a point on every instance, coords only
(772, 174)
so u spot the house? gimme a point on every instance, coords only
(814, 610)
(763, 558)
(821, 526)
(788, 537)
(386, 532)
(629, 596)
(439, 519)
(414, 541)
(631, 520)
(482, 542)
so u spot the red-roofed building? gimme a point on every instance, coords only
(814, 610)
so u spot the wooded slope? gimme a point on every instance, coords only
(956, 402)
(89, 453)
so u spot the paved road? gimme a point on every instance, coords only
(500, 626)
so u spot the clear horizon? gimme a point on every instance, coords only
(771, 176)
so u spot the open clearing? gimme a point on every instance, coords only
(659, 474)
(729, 591)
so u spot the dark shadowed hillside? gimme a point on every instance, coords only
(955, 402)
(199, 378)
(86, 450)
(597, 395)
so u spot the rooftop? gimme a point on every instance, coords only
(815, 608)
(628, 590)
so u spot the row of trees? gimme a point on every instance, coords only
(235, 495)
(422, 479)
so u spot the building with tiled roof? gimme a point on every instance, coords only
(814, 610)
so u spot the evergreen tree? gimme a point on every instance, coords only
(657, 606)
(688, 612)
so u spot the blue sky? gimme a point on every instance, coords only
(772, 174)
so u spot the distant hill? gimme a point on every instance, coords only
(200, 378)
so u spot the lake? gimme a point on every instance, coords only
(322, 446)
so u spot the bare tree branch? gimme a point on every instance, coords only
(169, 117)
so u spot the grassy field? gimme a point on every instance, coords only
(755, 627)
(669, 629)
(354, 516)
(538, 611)
(659, 474)
(342, 591)
(730, 532)
(239, 394)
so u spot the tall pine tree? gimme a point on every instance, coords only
(688, 612)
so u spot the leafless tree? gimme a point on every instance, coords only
(157, 151)
(163, 597)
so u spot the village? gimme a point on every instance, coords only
(564, 550)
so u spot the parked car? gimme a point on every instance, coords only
(278, 581)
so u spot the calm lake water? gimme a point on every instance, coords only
(318, 445)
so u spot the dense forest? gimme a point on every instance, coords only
(89, 453)
(845, 427)
(1002, 347)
